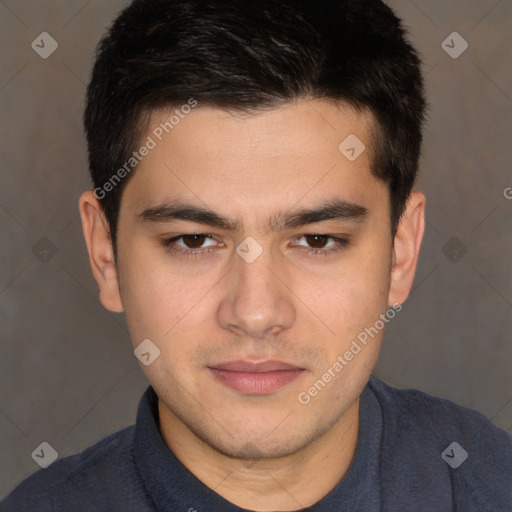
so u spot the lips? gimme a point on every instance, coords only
(255, 378)
(256, 367)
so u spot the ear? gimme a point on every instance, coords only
(101, 253)
(406, 248)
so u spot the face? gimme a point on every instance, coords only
(252, 252)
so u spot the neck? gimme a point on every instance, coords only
(288, 483)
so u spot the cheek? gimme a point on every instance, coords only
(174, 307)
(350, 303)
(156, 298)
(353, 295)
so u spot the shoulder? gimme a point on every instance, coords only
(78, 482)
(428, 413)
(449, 444)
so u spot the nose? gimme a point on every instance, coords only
(257, 303)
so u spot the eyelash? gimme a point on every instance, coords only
(170, 245)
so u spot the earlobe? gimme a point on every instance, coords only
(406, 248)
(101, 254)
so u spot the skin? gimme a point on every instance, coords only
(262, 452)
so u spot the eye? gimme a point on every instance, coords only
(189, 243)
(321, 244)
(199, 243)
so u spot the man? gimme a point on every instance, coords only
(253, 215)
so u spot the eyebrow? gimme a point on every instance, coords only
(332, 210)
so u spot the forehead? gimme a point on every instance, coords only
(309, 127)
(278, 157)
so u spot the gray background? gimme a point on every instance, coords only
(67, 372)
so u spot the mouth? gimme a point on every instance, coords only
(255, 378)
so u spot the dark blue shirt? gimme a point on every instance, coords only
(405, 460)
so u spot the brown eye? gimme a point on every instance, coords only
(193, 241)
(318, 244)
(191, 244)
(317, 241)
